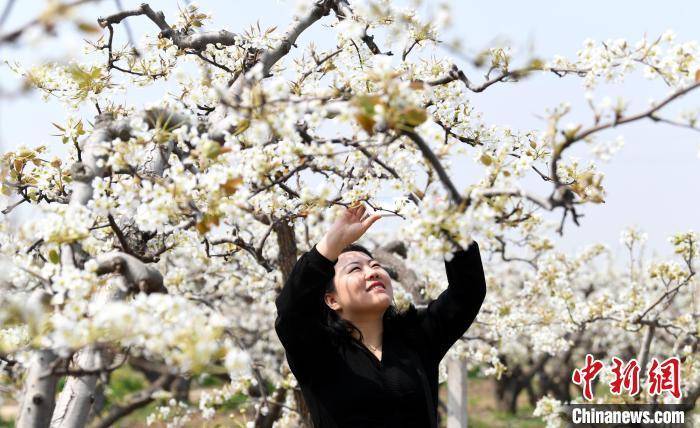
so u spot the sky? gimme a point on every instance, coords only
(651, 183)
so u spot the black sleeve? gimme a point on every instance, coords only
(446, 318)
(299, 323)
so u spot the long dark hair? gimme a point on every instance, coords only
(342, 330)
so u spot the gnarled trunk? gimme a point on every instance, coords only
(78, 395)
(40, 390)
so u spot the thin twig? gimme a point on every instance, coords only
(6, 12)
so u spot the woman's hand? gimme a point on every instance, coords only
(348, 228)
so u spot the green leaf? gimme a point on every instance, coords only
(54, 257)
(87, 27)
(366, 103)
(241, 127)
(536, 64)
(414, 116)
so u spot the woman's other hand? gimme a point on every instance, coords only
(347, 228)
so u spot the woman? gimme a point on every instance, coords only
(358, 362)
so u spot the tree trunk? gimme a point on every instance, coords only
(76, 399)
(456, 393)
(274, 410)
(287, 244)
(40, 391)
(303, 409)
(508, 397)
(507, 390)
(643, 356)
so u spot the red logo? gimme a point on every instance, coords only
(665, 377)
(586, 375)
(661, 377)
(626, 377)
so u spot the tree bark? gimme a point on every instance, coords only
(456, 393)
(287, 244)
(274, 410)
(304, 412)
(39, 396)
(508, 388)
(643, 356)
(76, 399)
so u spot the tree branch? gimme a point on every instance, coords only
(138, 274)
(198, 41)
(135, 401)
(645, 114)
(656, 118)
(14, 35)
(437, 166)
(6, 12)
(456, 74)
(343, 11)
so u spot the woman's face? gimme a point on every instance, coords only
(362, 286)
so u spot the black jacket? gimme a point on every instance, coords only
(347, 386)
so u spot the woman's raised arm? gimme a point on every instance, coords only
(447, 317)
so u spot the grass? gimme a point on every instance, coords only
(497, 418)
(483, 412)
(123, 382)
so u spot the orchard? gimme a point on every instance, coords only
(161, 233)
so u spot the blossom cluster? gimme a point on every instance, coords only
(208, 195)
